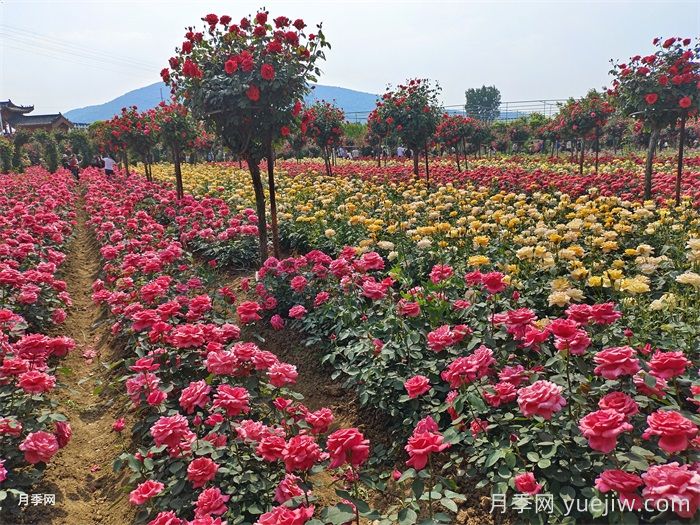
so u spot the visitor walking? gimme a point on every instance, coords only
(108, 163)
(74, 166)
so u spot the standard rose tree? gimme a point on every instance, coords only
(412, 111)
(246, 80)
(324, 123)
(660, 90)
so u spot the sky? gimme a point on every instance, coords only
(61, 54)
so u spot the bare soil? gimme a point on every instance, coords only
(87, 491)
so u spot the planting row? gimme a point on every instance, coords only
(36, 222)
(575, 401)
(219, 435)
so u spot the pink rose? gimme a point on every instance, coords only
(408, 308)
(277, 322)
(196, 394)
(678, 486)
(542, 398)
(200, 471)
(417, 386)
(620, 402)
(500, 393)
(39, 447)
(347, 445)
(625, 484)
(211, 501)
(281, 374)
(145, 491)
(526, 483)
(440, 272)
(616, 362)
(602, 428)
(420, 446)
(674, 430)
(297, 311)
(301, 453)
(248, 312)
(440, 338)
(668, 364)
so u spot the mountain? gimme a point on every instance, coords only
(356, 104)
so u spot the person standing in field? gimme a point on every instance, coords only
(108, 163)
(74, 166)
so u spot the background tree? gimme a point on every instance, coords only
(456, 131)
(377, 132)
(21, 138)
(412, 111)
(659, 89)
(247, 81)
(324, 124)
(79, 142)
(5, 155)
(584, 119)
(177, 132)
(483, 103)
(49, 147)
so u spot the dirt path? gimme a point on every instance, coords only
(80, 475)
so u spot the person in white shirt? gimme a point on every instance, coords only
(109, 163)
(400, 151)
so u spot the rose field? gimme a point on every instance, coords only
(461, 321)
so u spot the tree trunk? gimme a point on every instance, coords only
(273, 201)
(459, 168)
(653, 140)
(379, 158)
(254, 169)
(597, 148)
(427, 169)
(178, 173)
(583, 151)
(415, 161)
(679, 173)
(126, 163)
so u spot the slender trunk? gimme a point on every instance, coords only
(379, 158)
(273, 201)
(653, 140)
(415, 155)
(126, 163)
(679, 173)
(597, 148)
(427, 169)
(459, 168)
(580, 163)
(254, 168)
(178, 173)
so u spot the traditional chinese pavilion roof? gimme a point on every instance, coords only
(9, 106)
(38, 120)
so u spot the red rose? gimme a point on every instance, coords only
(297, 311)
(527, 484)
(35, 382)
(651, 98)
(145, 491)
(284, 131)
(674, 430)
(200, 471)
(267, 72)
(602, 428)
(417, 386)
(261, 18)
(542, 398)
(230, 66)
(253, 93)
(685, 102)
